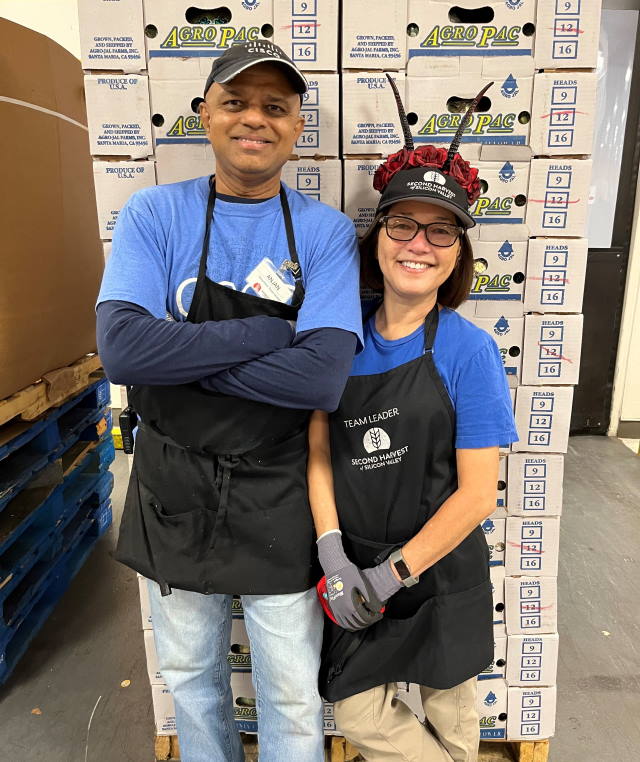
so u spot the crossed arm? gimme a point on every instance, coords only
(256, 358)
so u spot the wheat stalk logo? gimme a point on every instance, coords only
(376, 439)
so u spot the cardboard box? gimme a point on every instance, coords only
(370, 123)
(499, 278)
(360, 199)
(307, 31)
(543, 414)
(244, 702)
(508, 334)
(115, 181)
(328, 719)
(321, 180)
(155, 676)
(555, 275)
(552, 349)
(439, 103)
(531, 605)
(440, 28)
(532, 713)
(492, 708)
(118, 114)
(175, 163)
(503, 200)
(374, 34)
(532, 661)
(52, 259)
(567, 34)
(321, 111)
(467, 309)
(237, 612)
(497, 586)
(145, 607)
(183, 37)
(558, 197)
(535, 485)
(112, 35)
(501, 493)
(532, 546)
(175, 112)
(494, 534)
(563, 114)
(498, 668)
(239, 656)
(164, 710)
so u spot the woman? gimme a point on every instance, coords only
(402, 474)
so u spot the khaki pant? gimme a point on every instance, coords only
(384, 729)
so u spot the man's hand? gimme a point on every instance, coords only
(351, 598)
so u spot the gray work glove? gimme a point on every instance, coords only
(350, 596)
(383, 581)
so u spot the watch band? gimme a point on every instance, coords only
(397, 559)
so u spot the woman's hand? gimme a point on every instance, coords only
(350, 596)
(383, 580)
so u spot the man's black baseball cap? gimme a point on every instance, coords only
(240, 57)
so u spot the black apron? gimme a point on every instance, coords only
(394, 464)
(217, 500)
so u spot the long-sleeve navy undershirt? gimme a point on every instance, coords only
(255, 358)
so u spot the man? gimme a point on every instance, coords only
(217, 502)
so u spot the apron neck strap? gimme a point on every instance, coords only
(292, 264)
(431, 327)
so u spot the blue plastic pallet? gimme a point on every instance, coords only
(26, 559)
(35, 445)
(104, 517)
(66, 569)
(81, 507)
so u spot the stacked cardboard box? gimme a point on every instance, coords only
(146, 61)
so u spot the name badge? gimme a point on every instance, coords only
(267, 281)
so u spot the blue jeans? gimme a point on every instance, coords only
(192, 635)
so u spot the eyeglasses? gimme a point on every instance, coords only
(406, 229)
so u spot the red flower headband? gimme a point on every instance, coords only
(449, 162)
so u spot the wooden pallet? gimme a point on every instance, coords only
(53, 389)
(340, 750)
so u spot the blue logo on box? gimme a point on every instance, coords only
(507, 173)
(501, 328)
(505, 252)
(510, 87)
(490, 699)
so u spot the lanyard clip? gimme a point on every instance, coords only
(293, 267)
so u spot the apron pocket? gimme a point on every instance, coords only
(448, 639)
(167, 547)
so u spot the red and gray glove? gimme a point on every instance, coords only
(350, 596)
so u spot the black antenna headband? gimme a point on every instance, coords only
(455, 143)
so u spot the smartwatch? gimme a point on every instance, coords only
(400, 565)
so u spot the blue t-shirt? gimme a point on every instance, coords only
(469, 363)
(158, 238)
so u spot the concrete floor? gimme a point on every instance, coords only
(93, 641)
